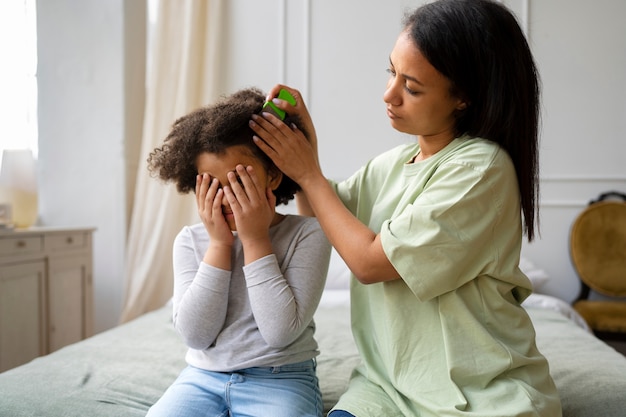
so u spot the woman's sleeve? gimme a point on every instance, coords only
(283, 303)
(452, 231)
(200, 295)
(348, 190)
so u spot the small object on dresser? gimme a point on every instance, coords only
(6, 220)
(18, 186)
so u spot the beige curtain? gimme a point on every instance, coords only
(183, 74)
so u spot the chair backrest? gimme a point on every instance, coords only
(598, 245)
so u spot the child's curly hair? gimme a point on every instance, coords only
(213, 129)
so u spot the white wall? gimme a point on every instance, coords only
(580, 48)
(336, 53)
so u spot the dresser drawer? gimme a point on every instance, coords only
(20, 245)
(66, 241)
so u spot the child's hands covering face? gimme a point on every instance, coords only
(253, 204)
(209, 197)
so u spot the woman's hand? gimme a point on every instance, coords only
(253, 205)
(293, 153)
(299, 111)
(209, 201)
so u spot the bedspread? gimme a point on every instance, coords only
(121, 372)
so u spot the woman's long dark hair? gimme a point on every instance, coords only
(479, 46)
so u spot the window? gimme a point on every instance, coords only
(18, 75)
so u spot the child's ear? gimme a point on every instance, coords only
(275, 176)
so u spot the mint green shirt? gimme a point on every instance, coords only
(450, 336)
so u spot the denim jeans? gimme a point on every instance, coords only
(279, 391)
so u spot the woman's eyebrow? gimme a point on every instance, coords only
(405, 76)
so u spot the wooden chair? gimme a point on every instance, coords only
(598, 253)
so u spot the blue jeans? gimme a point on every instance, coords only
(278, 391)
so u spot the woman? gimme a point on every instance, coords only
(247, 280)
(432, 230)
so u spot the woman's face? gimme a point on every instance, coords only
(417, 95)
(218, 166)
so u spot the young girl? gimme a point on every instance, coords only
(432, 230)
(247, 280)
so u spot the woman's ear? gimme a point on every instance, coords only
(274, 176)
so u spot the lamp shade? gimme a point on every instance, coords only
(18, 185)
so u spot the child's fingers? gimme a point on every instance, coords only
(254, 179)
(235, 185)
(217, 201)
(250, 183)
(211, 193)
(202, 185)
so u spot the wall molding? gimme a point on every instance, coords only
(307, 48)
(583, 178)
(569, 204)
(282, 67)
(295, 21)
(577, 190)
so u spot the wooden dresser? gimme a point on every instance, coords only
(45, 291)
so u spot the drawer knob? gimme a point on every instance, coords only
(69, 240)
(20, 244)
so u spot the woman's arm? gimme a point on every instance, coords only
(290, 150)
(357, 244)
(306, 125)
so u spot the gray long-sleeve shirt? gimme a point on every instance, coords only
(260, 314)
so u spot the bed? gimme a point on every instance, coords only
(122, 371)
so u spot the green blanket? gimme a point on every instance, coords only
(121, 372)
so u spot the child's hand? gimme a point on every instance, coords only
(251, 202)
(209, 201)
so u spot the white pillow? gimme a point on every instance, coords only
(338, 277)
(538, 277)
